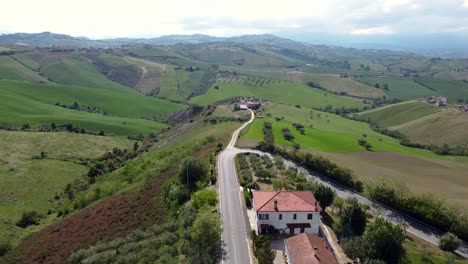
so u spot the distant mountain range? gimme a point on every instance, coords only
(430, 46)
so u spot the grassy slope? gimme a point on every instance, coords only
(400, 87)
(396, 114)
(420, 170)
(35, 104)
(282, 92)
(448, 126)
(453, 90)
(31, 64)
(113, 60)
(179, 84)
(333, 82)
(13, 70)
(79, 72)
(27, 183)
(117, 103)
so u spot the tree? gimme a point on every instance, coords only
(28, 218)
(449, 242)
(192, 171)
(377, 85)
(353, 219)
(26, 126)
(324, 196)
(205, 238)
(135, 146)
(204, 198)
(53, 126)
(384, 241)
(262, 249)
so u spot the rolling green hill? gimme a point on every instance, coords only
(396, 114)
(35, 104)
(277, 91)
(13, 70)
(403, 88)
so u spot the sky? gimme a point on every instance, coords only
(152, 18)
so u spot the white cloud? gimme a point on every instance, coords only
(373, 31)
(145, 18)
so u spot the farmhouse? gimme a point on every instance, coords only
(308, 249)
(250, 103)
(289, 212)
(437, 100)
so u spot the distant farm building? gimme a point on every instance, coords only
(463, 108)
(250, 103)
(437, 100)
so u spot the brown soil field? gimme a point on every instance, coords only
(150, 80)
(447, 179)
(459, 76)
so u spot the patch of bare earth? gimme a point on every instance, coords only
(114, 217)
(447, 179)
(247, 143)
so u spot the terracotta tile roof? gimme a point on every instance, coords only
(287, 201)
(301, 250)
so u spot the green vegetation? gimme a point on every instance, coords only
(396, 114)
(35, 104)
(179, 84)
(13, 70)
(403, 88)
(29, 180)
(453, 90)
(23, 59)
(65, 72)
(282, 92)
(261, 248)
(113, 60)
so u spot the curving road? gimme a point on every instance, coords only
(236, 227)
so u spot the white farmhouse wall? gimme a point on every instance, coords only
(288, 218)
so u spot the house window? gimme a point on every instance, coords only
(294, 216)
(263, 216)
(309, 216)
(280, 216)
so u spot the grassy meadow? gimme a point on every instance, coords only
(396, 114)
(282, 92)
(31, 184)
(13, 70)
(400, 87)
(35, 104)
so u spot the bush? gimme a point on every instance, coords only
(449, 242)
(5, 246)
(248, 200)
(28, 218)
(204, 198)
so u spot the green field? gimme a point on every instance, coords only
(25, 102)
(31, 64)
(396, 114)
(362, 65)
(333, 82)
(30, 184)
(453, 90)
(13, 70)
(179, 84)
(329, 132)
(81, 73)
(282, 92)
(400, 87)
(113, 60)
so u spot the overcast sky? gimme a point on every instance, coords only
(152, 18)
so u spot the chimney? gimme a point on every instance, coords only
(315, 252)
(276, 205)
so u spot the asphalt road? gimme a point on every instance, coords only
(235, 228)
(233, 214)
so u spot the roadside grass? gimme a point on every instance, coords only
(13, 70)
(396, 114)
(333, 82)
(403, 88)
(79, 72)
(282, 92)
(31, 184)
(419, 251)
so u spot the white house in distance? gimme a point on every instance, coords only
(290, 212)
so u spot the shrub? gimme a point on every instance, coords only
(28, 218)
(449, 242)
(248, 200)
(5, 246)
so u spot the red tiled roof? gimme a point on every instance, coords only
(301, 250)
(287, 201)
